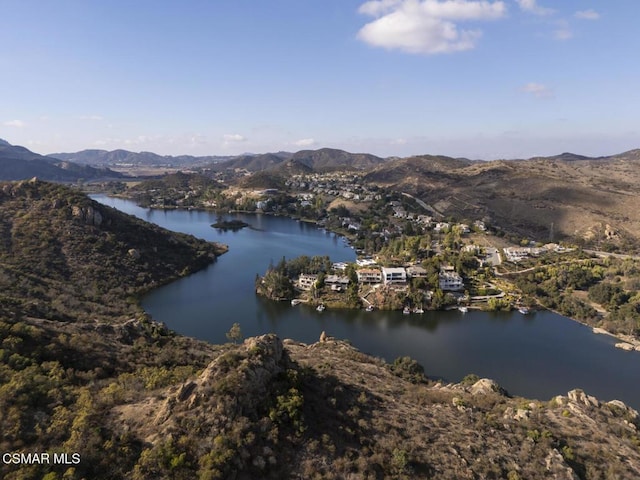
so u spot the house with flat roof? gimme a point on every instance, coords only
(306, 281)
(394, 275)
(341, 280)
(369, 275)
(416, 271)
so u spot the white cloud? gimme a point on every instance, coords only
(14, 123)
(96, 118)
(587, 15)
(537, 90)
(197, 139)
(563, 31)
(426, 26)
(531, 6)
(305, 142)
(233, 137)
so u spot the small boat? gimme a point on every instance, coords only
(369, 308)
(463, 309)
(295, 301)
(406, 310)
(524, 310)
(320, 308)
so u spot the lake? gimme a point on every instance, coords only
(538, 356)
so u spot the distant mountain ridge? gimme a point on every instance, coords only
(251, 163)
(124, 157)
(303, 161)
(20, 163)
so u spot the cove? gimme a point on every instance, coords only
(536, 356)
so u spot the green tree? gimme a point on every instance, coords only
(235, 333)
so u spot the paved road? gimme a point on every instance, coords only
(609, 254)
(493, 256)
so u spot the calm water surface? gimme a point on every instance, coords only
(539, 356)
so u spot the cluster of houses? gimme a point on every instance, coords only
(517, 254)
(448, 278)
(343, 185)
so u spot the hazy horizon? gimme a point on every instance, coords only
(476, 79)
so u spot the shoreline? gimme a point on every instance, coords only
(627, 342)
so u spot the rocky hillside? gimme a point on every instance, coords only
(272, 409)
(84, 371)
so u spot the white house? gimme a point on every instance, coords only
(394, 275)
(450, 280)
(515, 254)
(306, 281)
(440, 226)
(365, 262)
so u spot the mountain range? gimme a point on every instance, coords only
(547, 198)
(113, 158)
(19, 163)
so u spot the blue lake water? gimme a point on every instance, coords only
(538, 356)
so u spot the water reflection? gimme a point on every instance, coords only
(538, 355)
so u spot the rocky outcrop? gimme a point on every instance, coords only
(485, 386)
(242, 415)
(627, 346)
(88, 215)
(557, 468)
(245, 373)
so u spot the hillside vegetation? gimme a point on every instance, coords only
(593, 200)
(83, 370)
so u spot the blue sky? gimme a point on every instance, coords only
(481, 79)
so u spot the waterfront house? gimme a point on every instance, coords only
(365, 262)
(369, 275)
(338, 280)
(394, 275)
(450, 280)
(306, 281)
